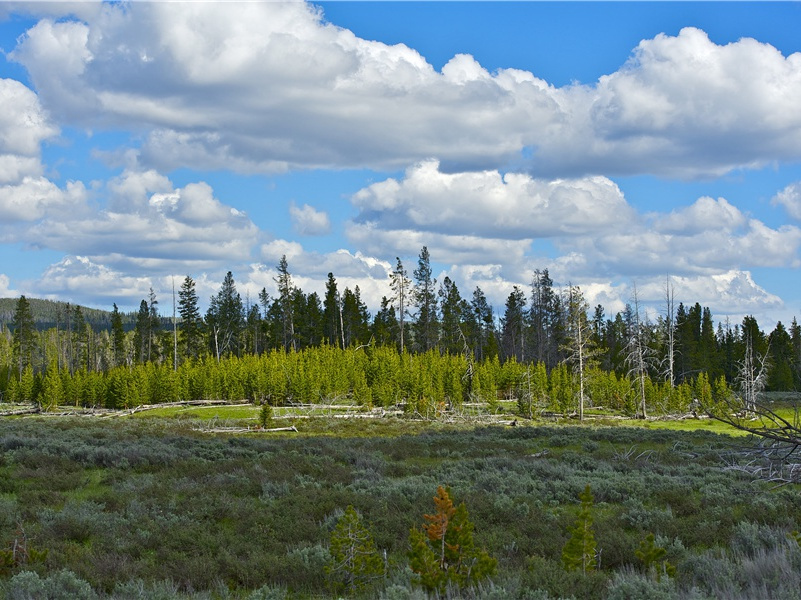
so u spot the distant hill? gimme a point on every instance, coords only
(46, 313)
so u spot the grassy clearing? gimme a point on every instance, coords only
(143, 503)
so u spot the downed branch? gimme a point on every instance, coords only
(243, 429)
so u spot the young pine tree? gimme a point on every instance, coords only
(355, 564)
(443, 551)
(579, 551)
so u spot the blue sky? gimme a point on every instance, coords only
(615, 144)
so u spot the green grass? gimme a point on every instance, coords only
(200, 412)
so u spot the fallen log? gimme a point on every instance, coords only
(243, 429)
(21, 411)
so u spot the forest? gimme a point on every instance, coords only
(426, 345)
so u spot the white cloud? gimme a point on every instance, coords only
(489, 204)
(25, 194)
(491, 229)
(23, 123)
(149, 226)
(271, 86)
(87, 282)
(35, 197)
(790, 199)
(307, 220)
(5, 287)
(703, 215)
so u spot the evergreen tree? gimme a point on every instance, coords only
(24, 340)
(191, 338)
(443, 551)
(142, 332)
(80, 334)
(264, 302)
(253, 329)
(598, 326)
(579, 551)
(426, 326)
(513, 326)
(795, 363)
(401, 293)
(117, 338)
(308, 318)
(153, 349)
(780, 377)
(355, 318)
(225, 319)
(482, 326)
(285, 305)
(453, 310)
(355, 564)
(332, 314)
(385, 324)
(546, 319)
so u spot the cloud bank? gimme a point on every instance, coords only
(272, 86)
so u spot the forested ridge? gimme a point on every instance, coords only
(427, 346)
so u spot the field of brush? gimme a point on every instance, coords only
(160, 504)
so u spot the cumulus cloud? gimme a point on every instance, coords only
(34, 197)
(790, 199)
(306, 220)
(495, 229)
(273, 86)
(489, 218)
(488, 204)
(149, 226)
(85, 281)
(5, 287)
(26, 195)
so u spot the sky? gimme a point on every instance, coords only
(625, 147)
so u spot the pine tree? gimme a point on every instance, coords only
(385, 324)
(191, 339)
(355, 318)
(332, 314)
(426, 325)
(443, 551)
(226, 318)
(453, 310)
(24, 340)
(400, 284)
(284, 303)
(155, 325)
(117, 338)
(579, 551)
(545, 319)
(355, 564)
(482, 327)
(142, 332)
(513, 326)
(653, 558)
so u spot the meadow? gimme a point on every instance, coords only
(152, 505)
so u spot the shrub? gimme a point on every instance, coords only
(63, 585)
(629, 585)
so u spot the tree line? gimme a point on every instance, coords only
(544, 325)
